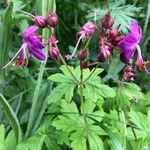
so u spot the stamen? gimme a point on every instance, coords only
(22, 47)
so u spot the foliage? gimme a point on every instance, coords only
(54, 105)
(123, 14)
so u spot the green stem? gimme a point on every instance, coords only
(124, 123)
(36, 92)
(24, 12)
(147, 18)
(125, 127)
(82, 104)
(92, 72)
(63, 61)
(130, 123)
(35, 99)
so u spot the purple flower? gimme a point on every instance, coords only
(33, 43)
(130, 43)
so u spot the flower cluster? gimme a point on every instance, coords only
(31, 41)
(42, 22)
(109, 37)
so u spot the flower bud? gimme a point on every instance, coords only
(116, 40)
(129, 74)
(88, 30)
(107, 21)
(54, 53)
(84, 64)
(82, 55)
(40, 21)
(52, 40)
(114, 33)
(105, 52)
(52, 19)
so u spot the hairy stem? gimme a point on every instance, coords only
(63, 61)
(92, 72)
(130, 123)
(147, 17)
(24, 12)
(82, 103)
(75, 49)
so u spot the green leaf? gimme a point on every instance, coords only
(33, 143)
(95, 142)
(12, 117)
(134, 91)
(96, 90)
(115, 67)
(10, 142)
(5, 37)
(124, 96)
(117, 144)
(78, 140)
(2, 136)
(141, 121)
(63, 90)
(74, 124)
(121, 13)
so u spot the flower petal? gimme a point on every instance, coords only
(37, 53)
(130, 42)
(35, 42)
(29, 31)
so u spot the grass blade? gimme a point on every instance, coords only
(12, 117)
(116, 142)
(5, 37)
(46, 6)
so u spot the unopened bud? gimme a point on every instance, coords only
(128, 73)
(83, 64)
(40, 21)
(54, 53)
(116, 40)
(107, 21)
(114, 33)
(52, 19)
(105, 52)
(82, 55)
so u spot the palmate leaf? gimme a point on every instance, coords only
(93, 89)
(130, 92)
(122, 14)
(80, 131)
(141, 122)
(46, 136)
(9, 142)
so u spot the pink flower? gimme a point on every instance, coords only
(87, 30)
